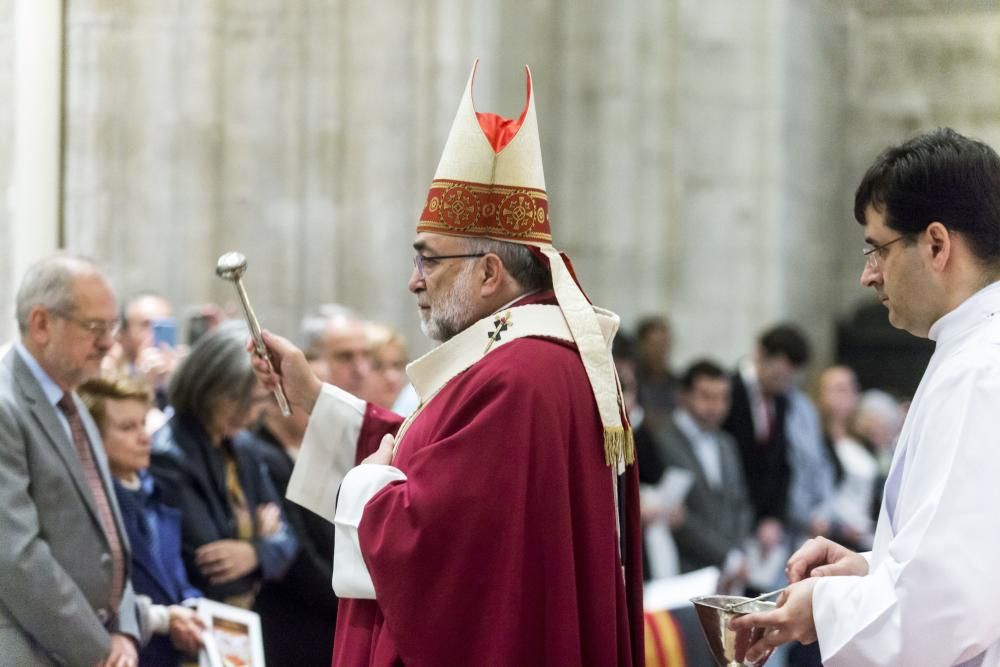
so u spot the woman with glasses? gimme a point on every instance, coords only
(234, 536)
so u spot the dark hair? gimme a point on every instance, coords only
(702, 368)
(788, 341)
(622, 346)
(647, 324)
(937, 176)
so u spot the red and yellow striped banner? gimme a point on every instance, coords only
(664, 642)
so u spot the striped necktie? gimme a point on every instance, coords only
(93, 476)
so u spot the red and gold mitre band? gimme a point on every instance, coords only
(490, 182)
(508, 213)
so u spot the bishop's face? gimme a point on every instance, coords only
(443, 282)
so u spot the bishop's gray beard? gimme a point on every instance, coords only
(449, 312)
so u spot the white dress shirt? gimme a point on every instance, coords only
(705, 445)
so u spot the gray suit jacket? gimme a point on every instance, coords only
(55, 561)
(716, 520)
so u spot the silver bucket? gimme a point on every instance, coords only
(729, 647)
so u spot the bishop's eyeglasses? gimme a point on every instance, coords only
(423, 263)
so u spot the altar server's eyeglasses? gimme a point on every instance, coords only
(875, 254)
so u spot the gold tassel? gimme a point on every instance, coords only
(618, 444)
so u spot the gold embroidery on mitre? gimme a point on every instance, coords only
(477, 209)
(459, 207)
(517, 213)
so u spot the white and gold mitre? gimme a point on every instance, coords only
(490, 184)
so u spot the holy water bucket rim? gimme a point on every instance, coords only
(725, 645)
(760, 605)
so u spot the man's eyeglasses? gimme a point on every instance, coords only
(424, 262)
(96, 328)
(875, 254)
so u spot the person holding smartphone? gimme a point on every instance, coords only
(147, 343)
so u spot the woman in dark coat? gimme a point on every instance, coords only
(233, 533)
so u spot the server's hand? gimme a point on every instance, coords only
(820, 557)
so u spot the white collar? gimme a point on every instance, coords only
(435, 369)
(978, 308)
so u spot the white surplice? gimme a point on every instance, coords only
(932, 595)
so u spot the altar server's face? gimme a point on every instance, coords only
(899, 276)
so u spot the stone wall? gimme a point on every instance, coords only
(916, 65)
(812, 224)
(701, 155)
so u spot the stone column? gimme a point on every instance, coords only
(7, 278)
(34, 197)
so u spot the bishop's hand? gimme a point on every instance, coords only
(291, 370)
(382, 455)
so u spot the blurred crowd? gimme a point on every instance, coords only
(770, 460)
(199, 456)
(215, 452)
(741, 465)
(738, 465)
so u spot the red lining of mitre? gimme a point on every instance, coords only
(500, 131)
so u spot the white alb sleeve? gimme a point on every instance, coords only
(351, 578)
(328, 450)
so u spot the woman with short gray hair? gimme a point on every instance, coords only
(207, 465)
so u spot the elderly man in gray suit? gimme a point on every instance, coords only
(65, 597)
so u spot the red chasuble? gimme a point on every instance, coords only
(500, 547)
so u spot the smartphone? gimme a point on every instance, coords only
(165, 332)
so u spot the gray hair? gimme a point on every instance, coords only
(880, 406)
(217, 367)
(315, 324)
(522, 265)
(49, 284)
